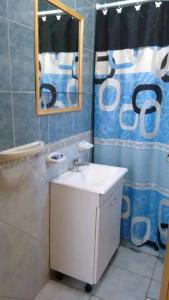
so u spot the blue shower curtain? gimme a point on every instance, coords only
(132, 115)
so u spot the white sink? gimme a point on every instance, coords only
(93, 177)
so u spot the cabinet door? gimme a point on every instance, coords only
(108, 233)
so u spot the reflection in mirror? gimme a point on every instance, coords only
(59, 82)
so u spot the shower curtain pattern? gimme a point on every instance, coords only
(58, 61)
(132, 129)
(59, 79)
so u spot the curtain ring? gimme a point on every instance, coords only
(119, 10)
(137, 6)
(105, 9)
(44, 18)
(58, 17)
(158, 3)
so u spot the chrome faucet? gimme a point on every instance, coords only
(76, 164)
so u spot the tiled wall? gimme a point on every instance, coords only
(18, 121)
(24, 220)
(24, 188)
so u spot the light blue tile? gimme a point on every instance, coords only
(3, 8)
(84, 3)
(22, 57)
(4, 57)
(84, 116)
(61, 126)
(122, 285)
(88, 61)
(69, 3)
(136, 262)
(89, 28)
(6, 125)
(76, 118)
(51, 6)
(26, 123)
(42, 5)
(44, 124)
(21, 11)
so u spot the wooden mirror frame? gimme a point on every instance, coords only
(78, 17)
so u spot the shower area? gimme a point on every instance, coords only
(131, 114)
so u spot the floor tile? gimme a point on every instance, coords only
(137, 262)
(122, 285)
(157, 275)
(154, 290)
(56, 291)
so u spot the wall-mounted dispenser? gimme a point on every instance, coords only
(84, 145)
(55, 158)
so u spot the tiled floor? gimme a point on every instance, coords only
(131, 276)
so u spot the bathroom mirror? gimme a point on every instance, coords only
(58, 57)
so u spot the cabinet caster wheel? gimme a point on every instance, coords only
(59, 276)
(88, 288)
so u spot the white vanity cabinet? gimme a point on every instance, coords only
(84, 229)
(108, 220)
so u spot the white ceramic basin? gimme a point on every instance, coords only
(93, 177)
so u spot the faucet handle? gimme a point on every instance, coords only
(76, 161)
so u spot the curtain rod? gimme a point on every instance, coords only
(123, 3)
(50, 12)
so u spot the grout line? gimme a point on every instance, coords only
(151, 279)
(156, 280)
(23, 92)
(10, 74)
(117, 267)
(3, 18)
(89, 49)
(18, 92)
(7, 19)
(24, 233)
(15, 22)
(154, 270)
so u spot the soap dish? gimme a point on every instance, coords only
(55, 158)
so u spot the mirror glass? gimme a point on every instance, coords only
(58, 56)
